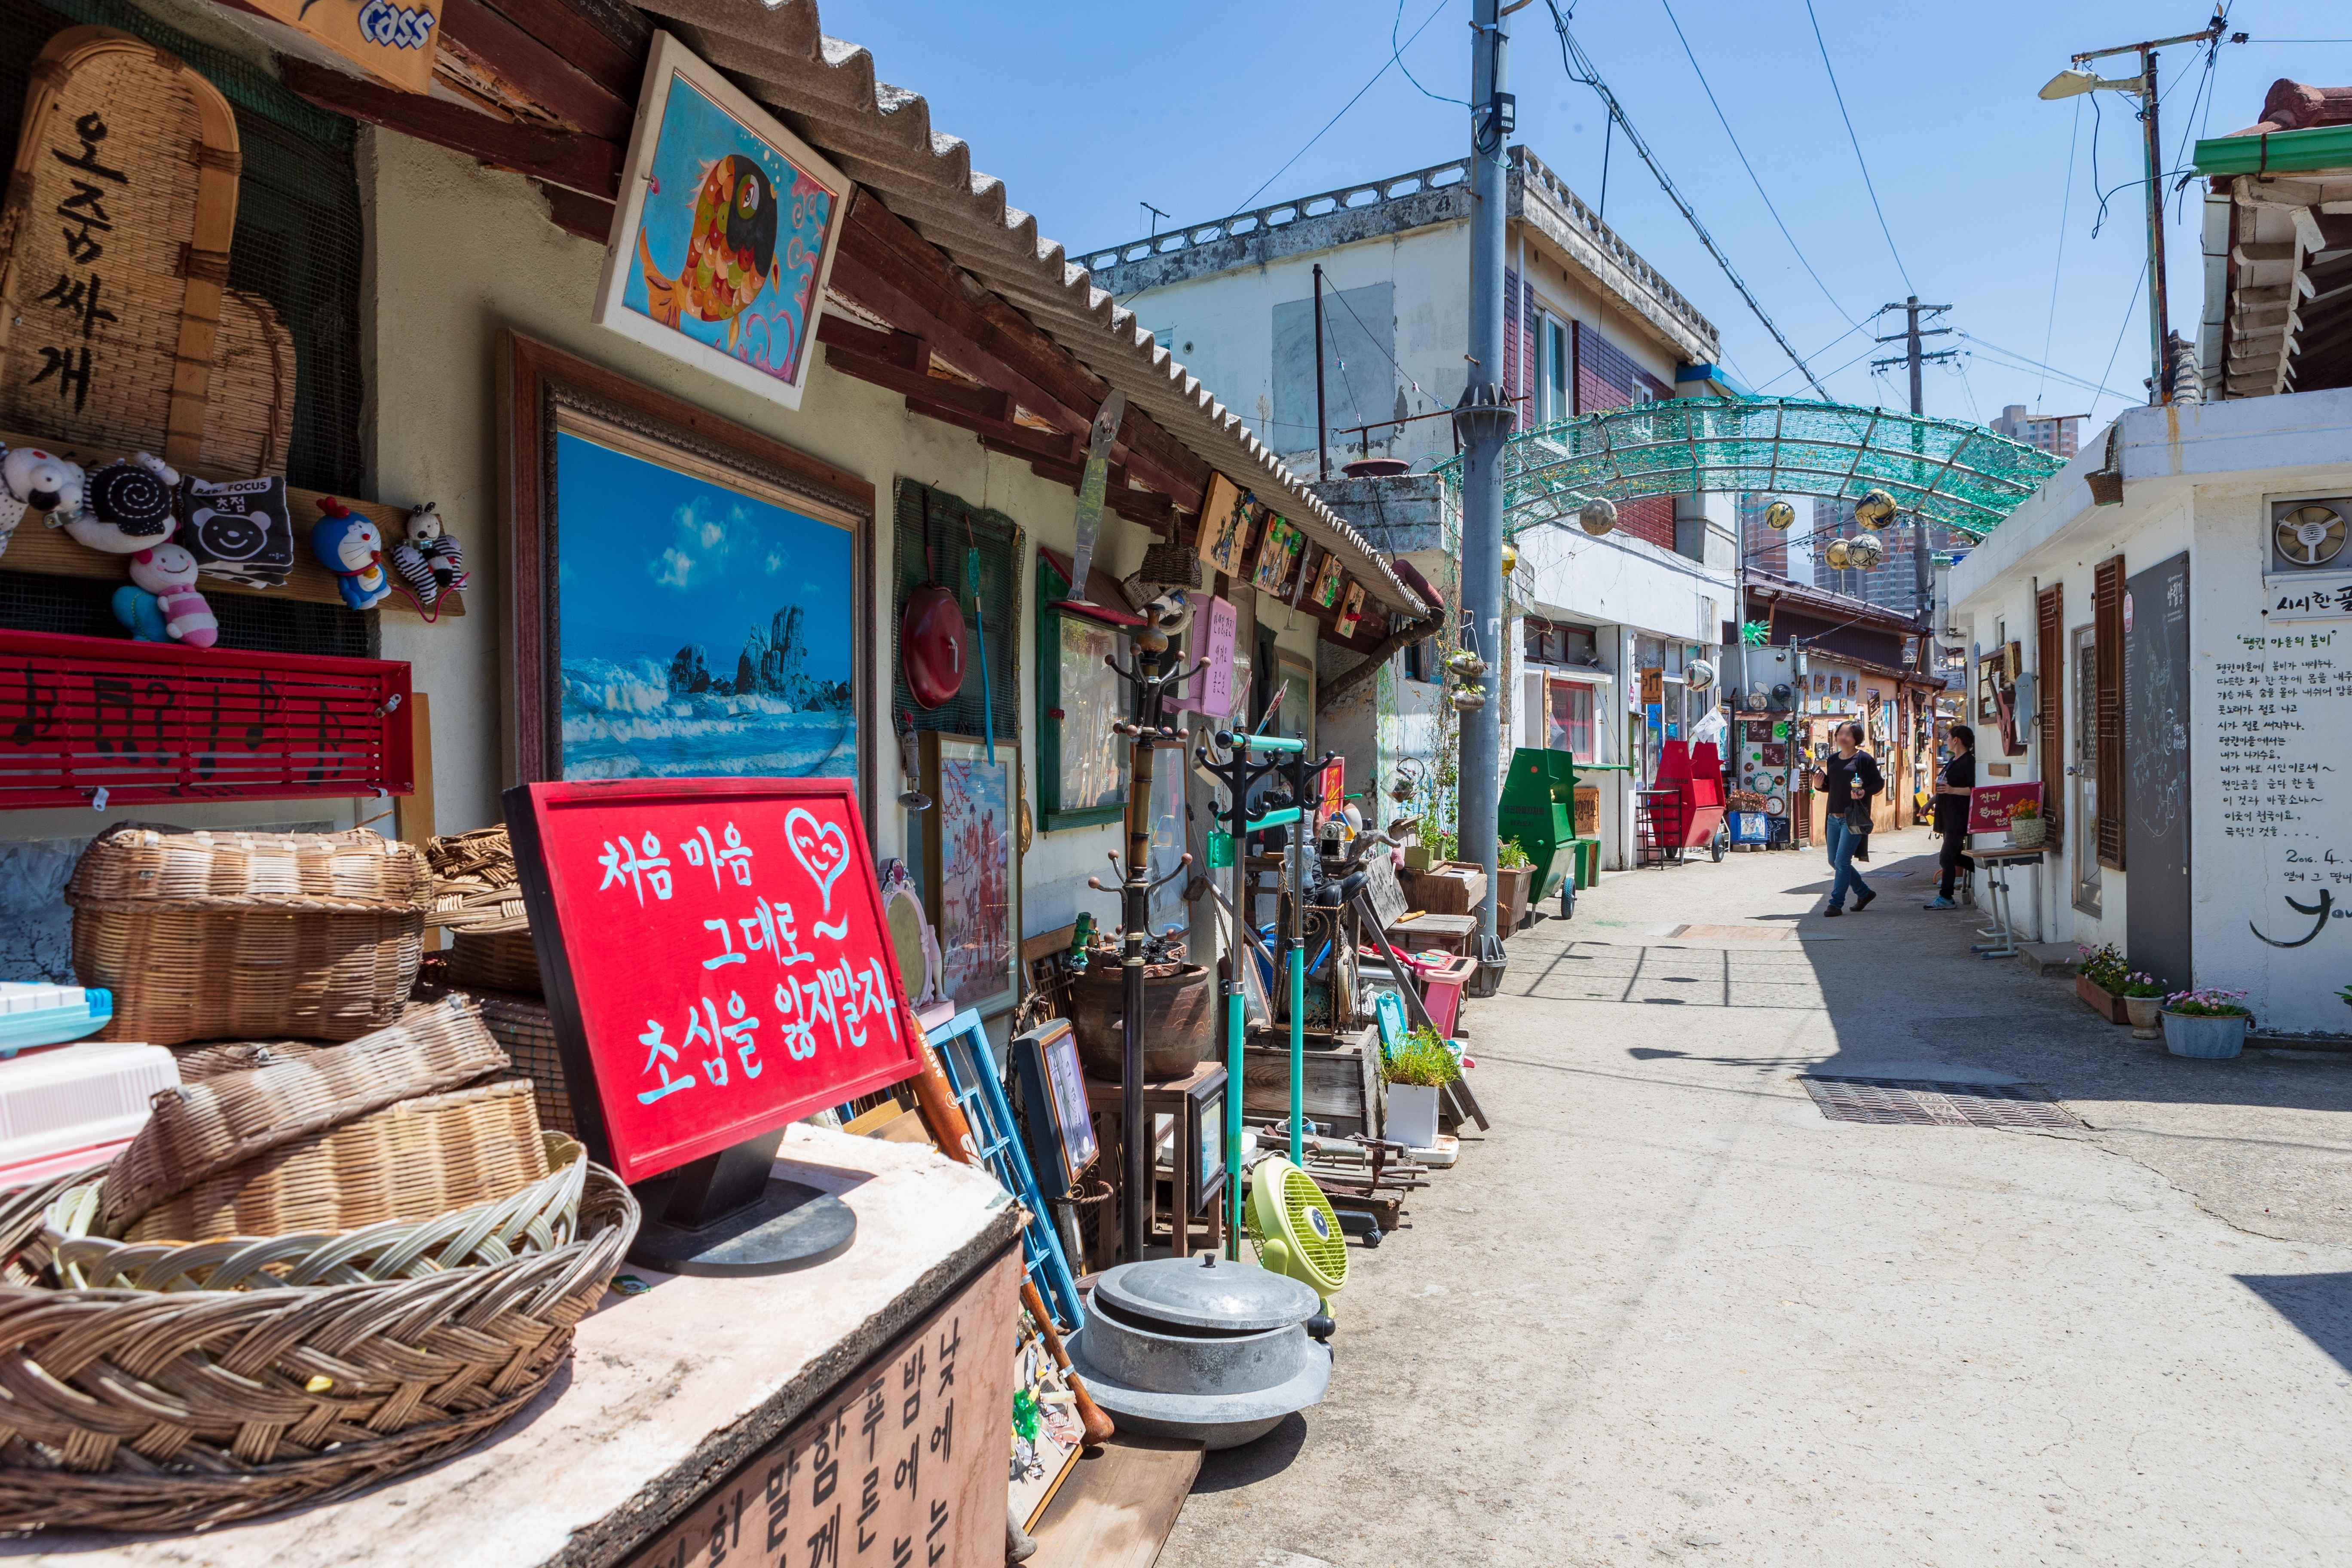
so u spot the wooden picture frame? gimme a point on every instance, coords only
(1078, 699)
(552, 399)
(1228, 514)
(959, 895)
(1044, 1062)
(1206, 1105)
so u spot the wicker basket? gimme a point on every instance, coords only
(494, 960)
(523, 1028)
(477, 897)
(537, 1218)
(219, 935)
(202, 1128)
(139, 1411)
(408, 1162)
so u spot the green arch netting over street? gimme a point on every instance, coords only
(1950, 472)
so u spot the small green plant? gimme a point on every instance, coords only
(2210, 1002)
(1441, 843)
(1510, 857)
(1421, 1059)
(2140, 983)
(2104, 967)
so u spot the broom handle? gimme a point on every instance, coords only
(935, 1101)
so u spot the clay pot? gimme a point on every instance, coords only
(1179, 1020)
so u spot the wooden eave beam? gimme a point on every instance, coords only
(616, 67)
(587, 165)
(533, 72)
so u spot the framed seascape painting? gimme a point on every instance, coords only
(687, 598)
(725, 232)
(972, 870)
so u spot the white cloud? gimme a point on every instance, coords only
(675, 569)
(704, 541)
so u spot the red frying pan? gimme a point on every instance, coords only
(931, 639)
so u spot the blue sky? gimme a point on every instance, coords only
(653, 559)
(1085, 113)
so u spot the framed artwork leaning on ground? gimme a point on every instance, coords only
(684, 597)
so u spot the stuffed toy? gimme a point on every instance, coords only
(430, 562)
(35, 480)
(350, 547)
(140, 615)
(127, 506)
(168, 574)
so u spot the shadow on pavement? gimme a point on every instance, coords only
(1228, 1468)
(2318, 1304)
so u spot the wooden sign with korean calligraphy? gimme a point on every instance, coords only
(716, 957)
(904, 1466)
(1992, 806)
(114, 247)
(148, 722)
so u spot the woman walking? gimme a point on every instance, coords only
(1952, 815)
(1848, 778)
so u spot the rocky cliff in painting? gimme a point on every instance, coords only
(770, 664)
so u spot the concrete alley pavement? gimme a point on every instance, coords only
(1665, 1311)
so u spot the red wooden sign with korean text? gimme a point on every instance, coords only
(1990, 804)
(715, 955)
(155, 721)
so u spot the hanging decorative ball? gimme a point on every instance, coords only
(1597, 516)
(1865, 553)
(1465, 663)
(1875, 510)
(1510, 558)
(1698, 675)
(1839, 554)
(1779, 515)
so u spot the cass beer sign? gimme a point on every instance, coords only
(391, 40)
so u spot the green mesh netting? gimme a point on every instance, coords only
(1960, 475)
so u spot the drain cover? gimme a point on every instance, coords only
(1918, 1102)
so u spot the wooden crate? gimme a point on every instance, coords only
(1341, 1085)
(1588, 811)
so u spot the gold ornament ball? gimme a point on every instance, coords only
(1510, 558)
(1875, 510)
(1839, 554)
(1779, 515)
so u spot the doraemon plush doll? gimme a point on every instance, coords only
(167, 575)
(35, 480)
(350, 547)
(127, 506)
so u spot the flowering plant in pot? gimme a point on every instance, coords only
(2207, 1023)
(1416, 1067)
(1515, 873)
(2099, 980)
(2143, 1000)
(2026, 825)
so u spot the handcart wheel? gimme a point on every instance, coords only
(1567, 898)
(1715, 849)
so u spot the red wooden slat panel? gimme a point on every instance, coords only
(155, 721)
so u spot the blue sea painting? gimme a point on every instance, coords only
(703, 631)
(731, 238)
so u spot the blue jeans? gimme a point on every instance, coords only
(1842, 845)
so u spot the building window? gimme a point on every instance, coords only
(1571, 729)
(1420, 662)
(1555, 370)
(1554, 642)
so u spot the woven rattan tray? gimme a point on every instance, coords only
(139, 1411)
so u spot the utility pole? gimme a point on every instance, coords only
(1483, 421)
(1322, 420)
(1922, 579)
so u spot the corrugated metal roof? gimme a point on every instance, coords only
(882, 137)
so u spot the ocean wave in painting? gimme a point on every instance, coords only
(637, 718)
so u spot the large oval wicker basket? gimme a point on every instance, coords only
(138, 1411)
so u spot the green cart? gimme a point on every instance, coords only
(1538, 810)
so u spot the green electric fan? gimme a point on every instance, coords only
(1294, 1228)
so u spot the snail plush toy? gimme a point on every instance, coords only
(350, 547)
(126, 506)
(160, 604)
(430, 562)
(35, 480)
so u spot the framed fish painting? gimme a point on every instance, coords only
(725, 232)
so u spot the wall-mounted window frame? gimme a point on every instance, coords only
(1073, 689)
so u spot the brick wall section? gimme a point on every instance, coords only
(1607, 378)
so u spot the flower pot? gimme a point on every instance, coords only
(2146, 1017)
(1179, 1020)
(2103, 1002)
(1412, 1115)
(1416, 857)
(2027, 833)
(1511, 885)
(2208, 1038)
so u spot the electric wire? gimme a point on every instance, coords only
(1825, 348)
(1722, 120)
(1396, 53)
(1839, 93)
(2130, 310)
(1580, 70)
(2058, 268)
(2017, 361)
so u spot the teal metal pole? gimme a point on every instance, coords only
(1297, 1047)
(1234, 1022)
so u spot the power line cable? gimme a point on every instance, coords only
(1720, 118)
(1839, 93)
(1825, 348)
(2017, 361)
(1396, 53)
(2058, 268)
(1580, 70)
(2130, 310)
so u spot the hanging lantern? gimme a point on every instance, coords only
(1875, 510)
(1597, 516)
(1839, 554)
(1865, 553)
(1510, 558)
(1779, 515)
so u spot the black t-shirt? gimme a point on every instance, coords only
(1850, 777)
(1952, 810)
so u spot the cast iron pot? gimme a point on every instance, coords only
(1179, 1020)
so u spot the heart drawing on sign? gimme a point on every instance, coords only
(821, 847)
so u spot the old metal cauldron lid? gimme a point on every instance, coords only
(1207, 1292)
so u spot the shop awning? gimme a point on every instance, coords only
(1946, 471)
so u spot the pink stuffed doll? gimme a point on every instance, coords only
(169, 573)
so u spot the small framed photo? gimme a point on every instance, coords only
(1044, 1062)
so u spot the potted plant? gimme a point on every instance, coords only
(2026, 825)
(2099, 980)
(2210, 1023)
(1515, 873)
(1417, 1068)
(2144, 1005)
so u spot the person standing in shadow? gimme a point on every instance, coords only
(1847, 778)
(1952, 816)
